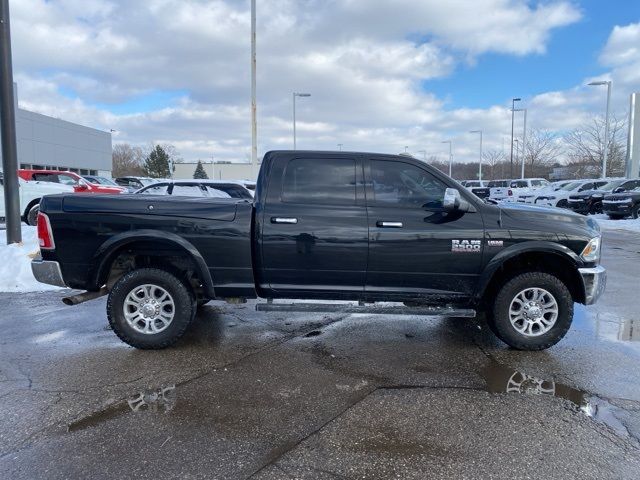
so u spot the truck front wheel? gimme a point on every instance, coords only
(149, 308)
(532, 311)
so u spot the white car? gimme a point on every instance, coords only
(499, 189)
(560, 197)
(524, 186)
(531, 195)
(30, 195)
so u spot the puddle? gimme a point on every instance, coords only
(162, 400)
(607, 325)
(502, 379)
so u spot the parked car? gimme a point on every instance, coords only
(590, 201)
(325, 226)
(477, 187)
(623, 204)
(198, 188)
(531, 195)
(499, 190)
(98, 180)
(135, 183)
(524, 186)
(31, 194)
(79, 184)
(560, 197)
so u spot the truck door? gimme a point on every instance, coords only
(314, 226)
(415, 248)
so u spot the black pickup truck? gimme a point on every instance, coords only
(365, 228)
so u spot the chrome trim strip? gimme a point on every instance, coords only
(47, 272)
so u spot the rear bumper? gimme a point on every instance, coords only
(47, 272)
(594, 280)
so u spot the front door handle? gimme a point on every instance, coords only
(287, 220)
(382, 224)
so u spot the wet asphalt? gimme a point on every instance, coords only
(277, 396)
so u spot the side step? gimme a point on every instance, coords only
(368, 309)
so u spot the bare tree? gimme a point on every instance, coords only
(541, 152)
(126, 160)
(585, 147)
(493, 164)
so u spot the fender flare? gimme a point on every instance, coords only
(513, 251)
(105, 254)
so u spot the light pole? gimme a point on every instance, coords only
(524, 140)
(513, 106)
(606, 125)
(254, 121)
(340, 146)
(517, 142)
(480, 166)
(295, 94)
(450, 156)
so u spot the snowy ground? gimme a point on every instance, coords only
(626, 224)
(15, 263)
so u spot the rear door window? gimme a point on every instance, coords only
(325, 181)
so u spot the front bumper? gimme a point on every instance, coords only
(47, 272)
(594, 280)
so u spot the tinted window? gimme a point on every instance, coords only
(519, 184)
(228, 191)
(586, 186)
(328, 181)
(498, 183)
(536, 183)
(403, 184)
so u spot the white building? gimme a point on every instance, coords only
(217, 171)
(53, 144)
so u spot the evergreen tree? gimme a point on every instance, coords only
(156, 165)
(200, 174)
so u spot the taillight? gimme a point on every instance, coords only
(45, 234)
(509, 192)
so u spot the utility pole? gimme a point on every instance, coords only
(8, 134)
(450, 156)
(340, 147)
(513, 106)
(524, 140)
(254, 120)
(296, 94)
(605, 154)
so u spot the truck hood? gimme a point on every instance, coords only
(549, 219)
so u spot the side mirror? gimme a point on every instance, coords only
(619, 190)
(81, 187)
(454, 202)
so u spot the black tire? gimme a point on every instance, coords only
(635, 213)
(184, 308)
(616, 217)
(499, 317)
(596, 208)
(32, 215)
(563, 204)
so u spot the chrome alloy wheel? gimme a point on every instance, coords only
(149, 309)
(533, 312)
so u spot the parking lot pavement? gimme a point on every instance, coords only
(272, 396)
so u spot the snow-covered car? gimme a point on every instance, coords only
(499, 189)
(478, 187)
(30, 195)
(531, 196)
(198, 188)
(524, 186)
(560, 197)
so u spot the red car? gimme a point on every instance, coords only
(79, 184)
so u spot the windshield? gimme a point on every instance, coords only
(105, 181)
(498, 183)
(612, 184)
(571, 186)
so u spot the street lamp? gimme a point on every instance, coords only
(340, 146)
(295, 94)
(606, 125)
(513, 106)
(480, 166)
(524, 139)
(450, 156)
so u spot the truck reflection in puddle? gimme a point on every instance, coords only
(502, 379)
(162, 400)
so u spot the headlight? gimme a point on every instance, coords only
(591, 252)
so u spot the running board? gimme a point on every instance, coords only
(368, 309)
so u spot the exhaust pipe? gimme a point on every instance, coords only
(84, 297)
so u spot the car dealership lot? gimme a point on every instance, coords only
(321, 396)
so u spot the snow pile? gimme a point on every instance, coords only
(15, 263)
(627, 224)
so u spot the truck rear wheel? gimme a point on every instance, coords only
(532, 311)
(150, 308)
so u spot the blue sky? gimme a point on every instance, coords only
(571, 55)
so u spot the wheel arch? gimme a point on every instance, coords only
(545, 257)
(109, 251)
(30, 205)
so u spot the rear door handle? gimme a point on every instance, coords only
(389, 224)
(287, 220)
